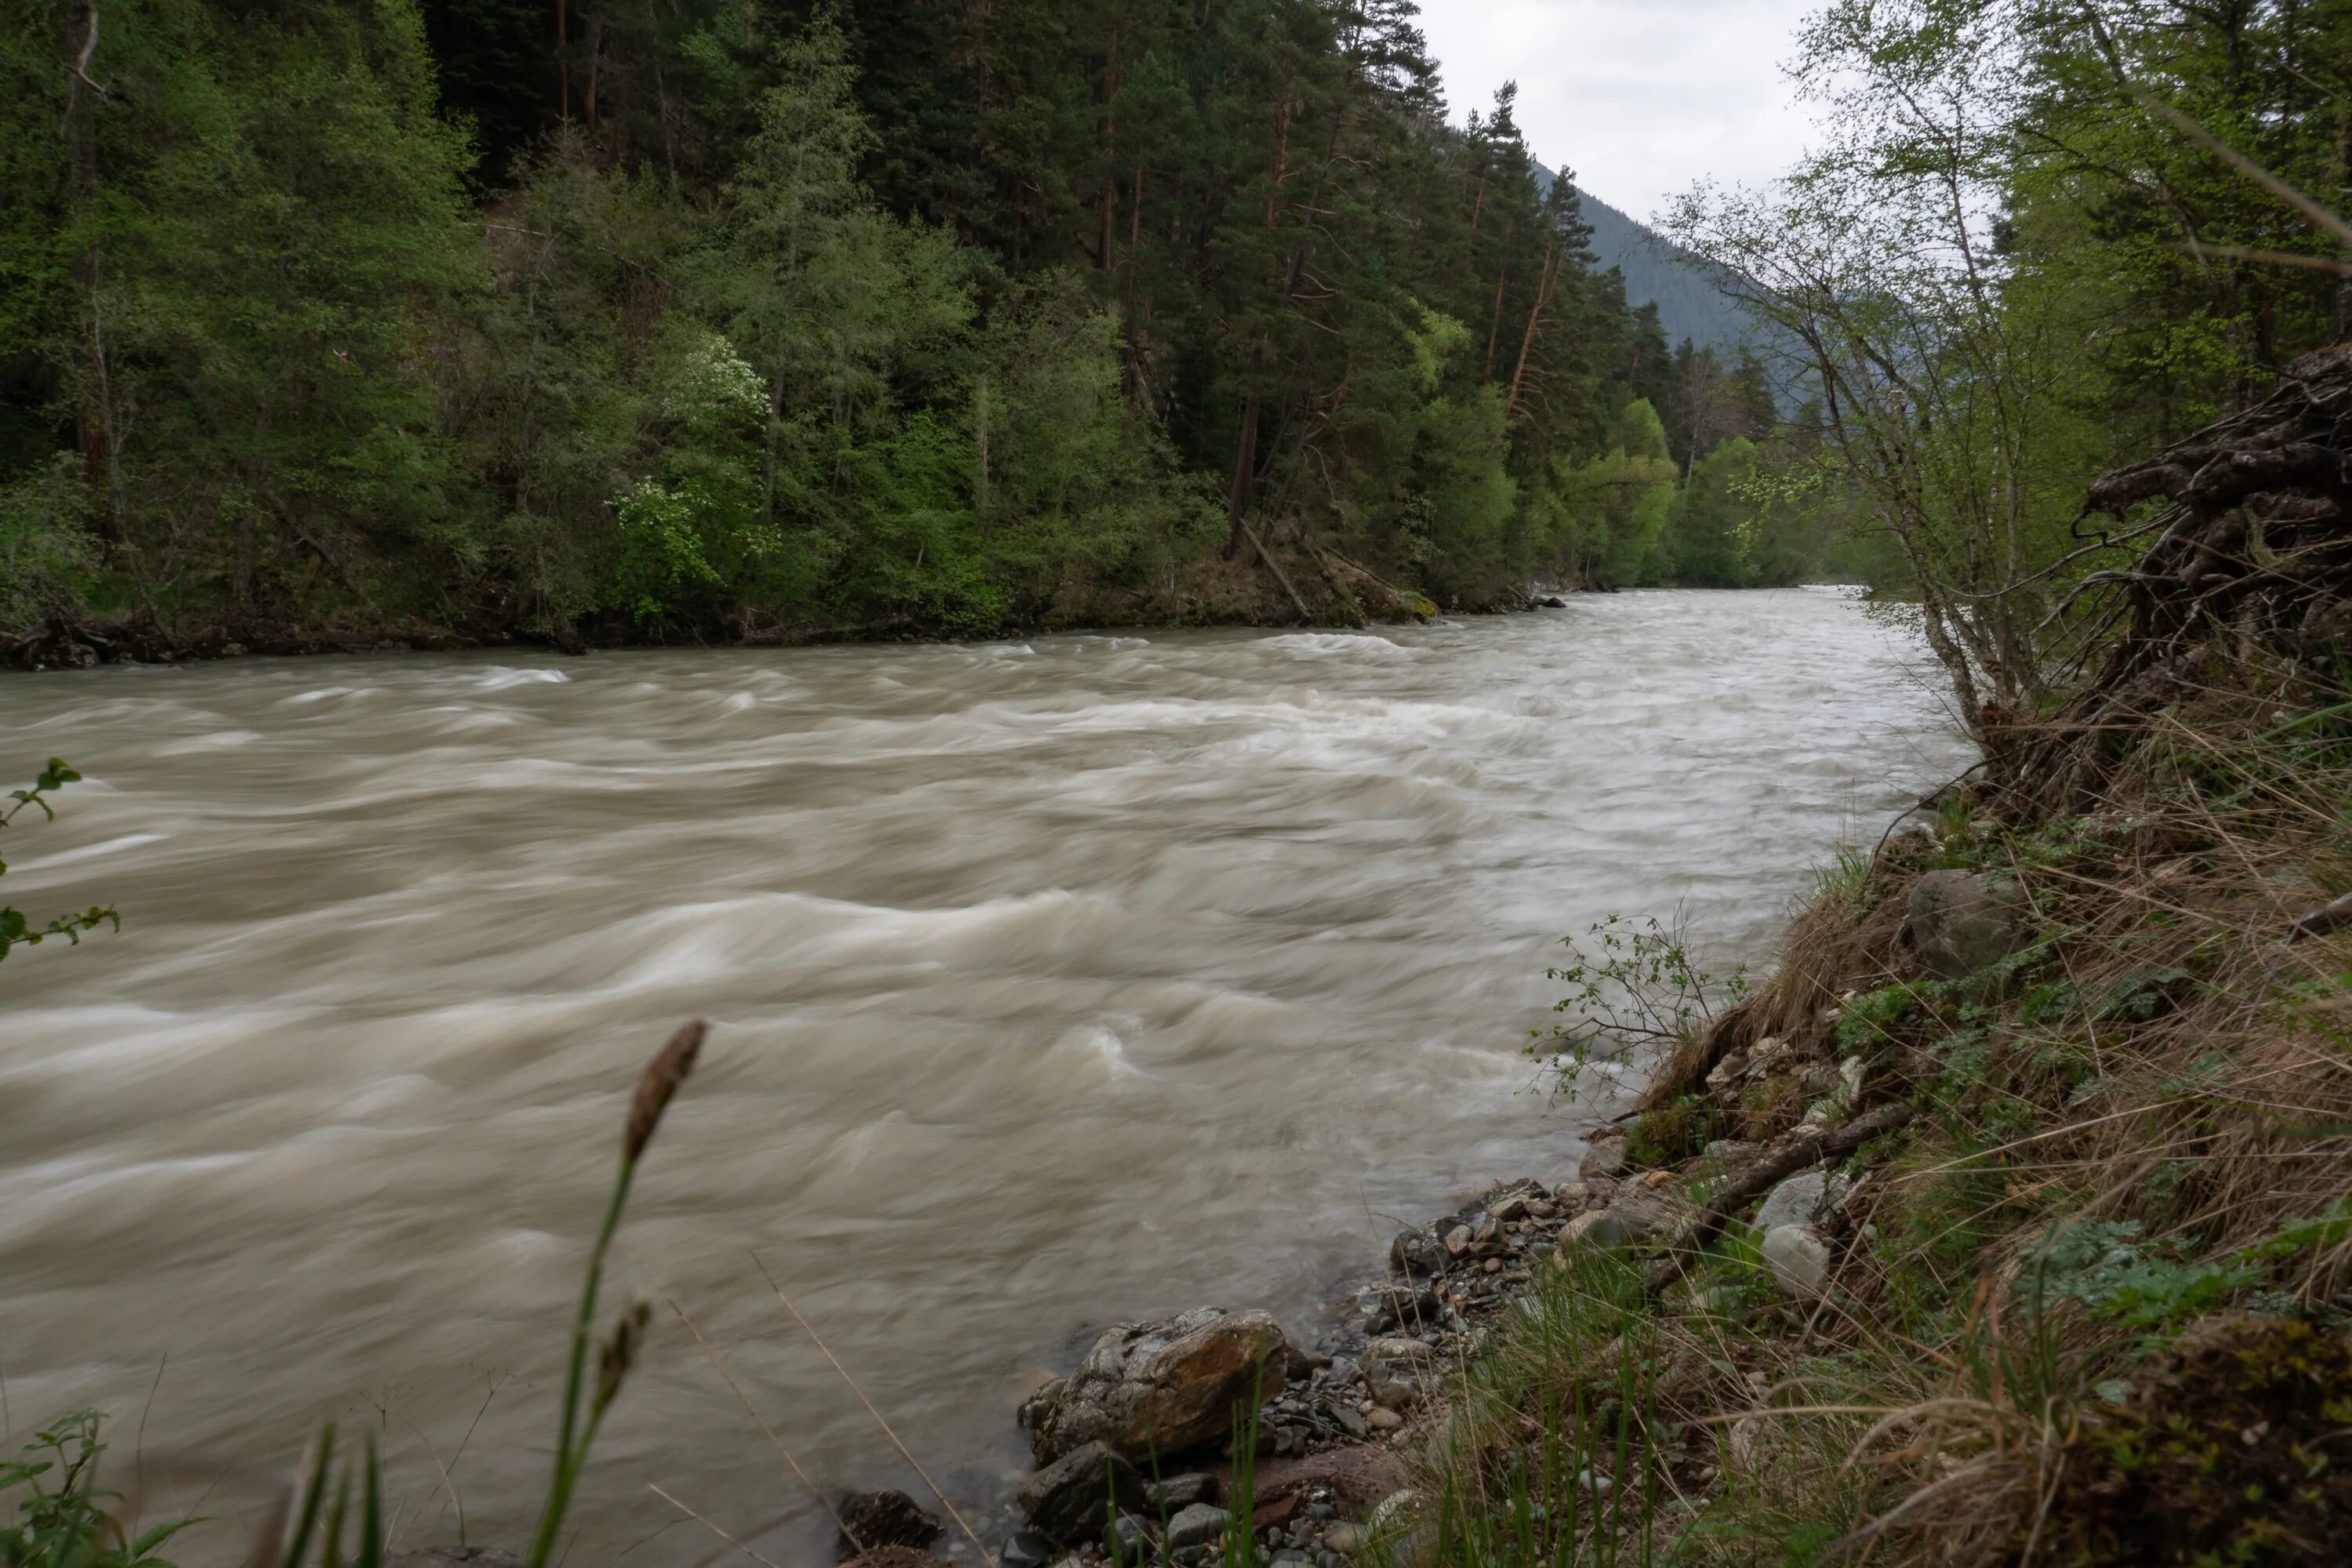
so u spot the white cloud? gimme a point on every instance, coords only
(1641, 97)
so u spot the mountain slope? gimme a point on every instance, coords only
(1658, 271)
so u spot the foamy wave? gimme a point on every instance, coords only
(86, 852)
(498, 678)
(1361, 645)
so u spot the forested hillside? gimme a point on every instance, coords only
(329, 320)
(1658, 273)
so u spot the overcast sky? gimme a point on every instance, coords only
(1639, 96)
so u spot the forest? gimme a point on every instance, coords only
(610, 321)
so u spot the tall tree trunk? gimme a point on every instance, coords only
(1108, 139)
(1535, 321)
(1502, 276)
(563, 68)
(1245, 473)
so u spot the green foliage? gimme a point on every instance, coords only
(1619, 502)
(15, 927)
(1630, 982)
(2109, 1266)
(331, 316)
(48, 557)
(60, 1517)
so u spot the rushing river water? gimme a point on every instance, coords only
(1051, 984)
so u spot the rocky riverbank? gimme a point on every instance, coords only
(1136, 1446)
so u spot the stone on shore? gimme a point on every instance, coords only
(1066, 1500)
(1412, 1308)
(1200, 1525)
(1959, 921)
(1799, 1259)
(1606, 1156)
(1415, 1252)
(1160, 1387)
(1800, 1199)
(1177, 1494)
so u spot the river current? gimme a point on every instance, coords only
(1051, 983)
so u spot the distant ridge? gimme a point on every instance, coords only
(1689, 305)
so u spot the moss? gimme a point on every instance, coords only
(2241, 1452)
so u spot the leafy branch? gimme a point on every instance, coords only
(1630, 982)
(15, 927)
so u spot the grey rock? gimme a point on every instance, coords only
(1799, 1259)
(1593, 1230)
(1415, 1252)
(1397, 1372)
(1801, 1199)
(1959, 921)
(1642, 1211)
(1128, 1539)
(1066, 1500)
(1397, 1306)
(1160, 1387)
(1179, 1493)
(1199, 1525)
(1026, 1550)
(1350, 1420)
(1605, 1156)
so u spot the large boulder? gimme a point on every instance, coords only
(1959, 921)
(1161, 1388)
(1071, 1498)
(1799, 1258)
(1607, 1155)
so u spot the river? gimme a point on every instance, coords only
(1051, 983)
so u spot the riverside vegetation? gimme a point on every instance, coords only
(2007, 1220)
(335, 324)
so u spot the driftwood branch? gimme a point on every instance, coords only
(1753, 1181)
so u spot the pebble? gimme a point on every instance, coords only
(1383, 1419)
(1179, 1492)
(1026, 1550)
(1197, 1525)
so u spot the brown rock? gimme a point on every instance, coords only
(1160, 1387)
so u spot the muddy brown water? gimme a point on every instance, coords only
(1052, 983)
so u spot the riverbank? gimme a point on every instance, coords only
(2009, 1220)
(1300, 585)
